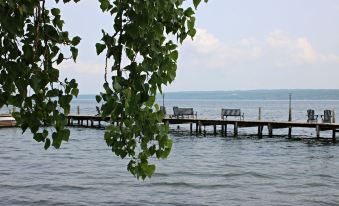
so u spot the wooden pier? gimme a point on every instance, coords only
(86, 120)
(198, 126)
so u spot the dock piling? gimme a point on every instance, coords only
(318, 131)
(199, 127)
(270, 130)
(235, 129)
(289, 132)
(260, 129)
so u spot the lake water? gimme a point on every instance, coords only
(199, 171)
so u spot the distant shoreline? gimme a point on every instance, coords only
(255, 95)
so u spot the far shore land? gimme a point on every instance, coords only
(275, 94)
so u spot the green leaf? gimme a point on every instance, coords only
(104, 5)
(189, 12)
(174, 55)
(148, 169)
(57, 139)
(76, 40)
(53, 93)
(75, 92)
(47, 143)
(99, 47)
(196, 3)
(116, 86)
(60, 58)
(65, 133)
(130, 54)
(39, 137)
(98, 98)
(55, 11)
(74, 53)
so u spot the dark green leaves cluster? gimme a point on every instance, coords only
(31, 37)
(143, 34)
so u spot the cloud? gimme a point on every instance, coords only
(211, 52)
(296, 51)
(89, 68)
(204, 42)
(277, 39)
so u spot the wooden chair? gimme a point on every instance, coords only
(311, 117)
(327, 117)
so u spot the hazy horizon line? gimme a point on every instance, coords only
(238, 90)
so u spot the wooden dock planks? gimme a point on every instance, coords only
(199, 123)
(95, 122)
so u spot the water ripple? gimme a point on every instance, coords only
(199, 171)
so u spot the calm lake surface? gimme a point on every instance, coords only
(200, 170)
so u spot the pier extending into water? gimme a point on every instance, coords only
(220, 127)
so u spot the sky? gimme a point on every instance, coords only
(240, 45)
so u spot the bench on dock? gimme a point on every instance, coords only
(182, 112)
(231, 112)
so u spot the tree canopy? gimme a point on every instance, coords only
(33, 44)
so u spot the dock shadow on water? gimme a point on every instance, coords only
(200, 171)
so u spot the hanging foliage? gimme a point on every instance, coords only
(142, 49)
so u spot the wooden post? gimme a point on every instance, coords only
(99, 123)
(290, 116)
(289, 132)
(318, 131)
(333, 135)
(259, 127)
(191, 128)
(270, 130)
(260, 131)
(222, 130)
(235, 129)
(290, 109)
(196, 128)
(78, 110)
(333, 116)
(199, 127)
(225, 130)
(215, 129)
(204, 130)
